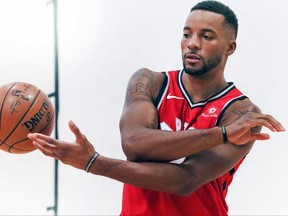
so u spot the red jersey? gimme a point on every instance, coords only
(178, 112)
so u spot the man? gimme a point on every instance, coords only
(207, 127)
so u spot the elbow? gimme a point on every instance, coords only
(130, 143)
(185, 190)
(188, 186)
(128, 147)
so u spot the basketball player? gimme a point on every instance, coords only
(185, 132)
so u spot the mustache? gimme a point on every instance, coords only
(193, 54)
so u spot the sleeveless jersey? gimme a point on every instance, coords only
(178, 112)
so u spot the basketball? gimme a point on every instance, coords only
(24, 108)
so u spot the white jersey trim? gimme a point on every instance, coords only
(165, 90)
(201, 103)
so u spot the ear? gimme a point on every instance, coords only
(231, 47)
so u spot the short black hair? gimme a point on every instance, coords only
(230, 18)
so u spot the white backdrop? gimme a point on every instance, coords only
(101, 43)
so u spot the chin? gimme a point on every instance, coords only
(196, 72)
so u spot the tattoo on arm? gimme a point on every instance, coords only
(243, 112)
(139, 87)
(240, 113)
(256, 129)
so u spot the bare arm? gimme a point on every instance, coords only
(139, 123)
(180, 179)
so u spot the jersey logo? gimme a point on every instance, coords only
(211, 112)
(174, 97)
(178, 127)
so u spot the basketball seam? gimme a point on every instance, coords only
(22, 117)
(12, 145)
(4, 102)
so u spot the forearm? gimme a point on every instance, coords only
(163, 177)
(158, 145)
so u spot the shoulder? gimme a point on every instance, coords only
(146, 80)
(148, 74)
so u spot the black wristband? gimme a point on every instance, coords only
(91, 161)
(224, 133)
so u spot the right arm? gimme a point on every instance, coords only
(143, 141)
(139, 125)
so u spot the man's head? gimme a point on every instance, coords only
(230, 18)
(209, 37)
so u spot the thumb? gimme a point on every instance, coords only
(76, 131)
(259, 136)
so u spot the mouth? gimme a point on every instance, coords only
(191, 58)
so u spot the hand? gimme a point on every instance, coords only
(76, 153)
(247, 128)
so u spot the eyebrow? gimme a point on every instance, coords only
(203, 30)
(208, 30)
(186, 28)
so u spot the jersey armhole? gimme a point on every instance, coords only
(164, 84)
(226, 107)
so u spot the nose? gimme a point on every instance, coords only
(194, 42)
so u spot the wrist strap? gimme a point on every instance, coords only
(91, 161)
(224, 133)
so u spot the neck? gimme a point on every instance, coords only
(202, 87)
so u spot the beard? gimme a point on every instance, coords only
(205, 68)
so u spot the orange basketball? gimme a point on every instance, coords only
(24, 109)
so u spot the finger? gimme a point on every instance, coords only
(41, 145)
(276, 124)
(76, 131)
(45, 151)
(264, 122)
(259, 136)
(47, 145)
(47, 139)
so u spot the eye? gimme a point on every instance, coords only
(186, 35)
(207, 37)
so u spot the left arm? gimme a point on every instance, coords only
(181, 179)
